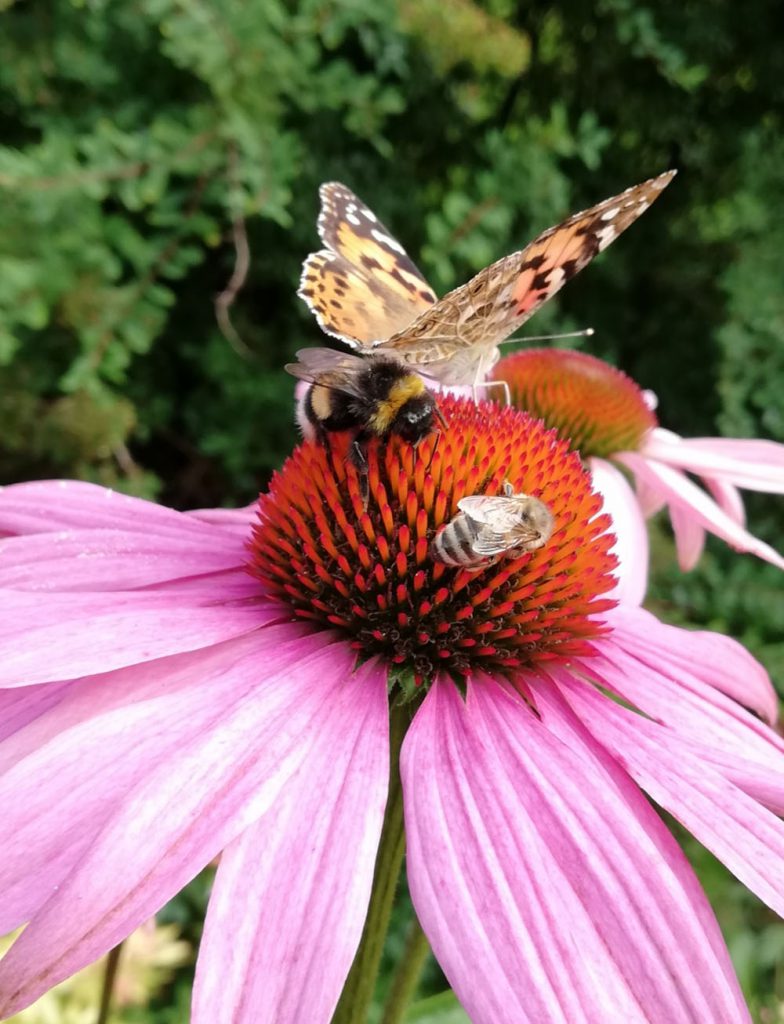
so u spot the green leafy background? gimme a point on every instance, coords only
(145, 144)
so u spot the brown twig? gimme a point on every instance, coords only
(227, 297)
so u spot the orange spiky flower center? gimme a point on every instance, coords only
(595, 407)
(369, 572)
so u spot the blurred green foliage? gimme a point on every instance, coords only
(146, 145)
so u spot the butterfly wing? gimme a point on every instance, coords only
(339, 371)
(451, 339)
(362, 287)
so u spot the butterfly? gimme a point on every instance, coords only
(365, 290)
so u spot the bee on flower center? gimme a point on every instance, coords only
(375, 396)
(488, 528)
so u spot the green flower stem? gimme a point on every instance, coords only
(107, 986)
(407, 976)
(361, 982)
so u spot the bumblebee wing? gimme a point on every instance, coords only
(500, 298)
(339, 371)
(363, 286)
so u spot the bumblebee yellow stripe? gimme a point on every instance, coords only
(408, 387)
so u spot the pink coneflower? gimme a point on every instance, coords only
(172, 690)
(606, 416)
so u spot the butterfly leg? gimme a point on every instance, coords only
(487, 384)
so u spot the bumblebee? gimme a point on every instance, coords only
(489, 528)
(374, 396)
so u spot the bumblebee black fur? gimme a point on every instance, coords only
(389, 399)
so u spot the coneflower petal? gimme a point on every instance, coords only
(548, 887)
(743, 834)
(676, 488)
(291, 893)
(629, 528)
(180, 813)
(755, 465)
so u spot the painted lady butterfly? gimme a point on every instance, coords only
(364, 289)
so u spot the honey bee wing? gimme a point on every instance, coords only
(490, 510)
(481, 314)
(493, 542)
(363, 287)
(330, 369)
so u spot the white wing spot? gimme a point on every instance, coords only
(605, 236)
(556, 276)
(353, 219)
(390, 243)
(611, 214)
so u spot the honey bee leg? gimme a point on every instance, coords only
(360, 463)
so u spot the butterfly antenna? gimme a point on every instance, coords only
(587, 333)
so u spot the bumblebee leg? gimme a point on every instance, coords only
(360, 463)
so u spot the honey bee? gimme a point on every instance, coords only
(364, 289)
(488, 528)
(375, 396)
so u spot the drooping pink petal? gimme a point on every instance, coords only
(291, 894)
(628, 525)
(716, 660)
(741, 747)
(176, 818)
(546, 884)
(66, 773)
(744, 836)
(754, 465)
(650, 496)
(50, 505)
(689, 537)
(112, 559)
(728, 499)
(92, 633)
(679, 490)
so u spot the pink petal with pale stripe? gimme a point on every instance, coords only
(741, 747)
(291, 894)
(51, 505)
(112, 559)
(93, 633)
(716, 660)
(548, 887)
(236, 520)
(751, 464)
(728, 499)
(180, 812)
(679, 490)
(745, 836)
(631, 533)
(22, 705)
(67, 771)
(689, 537)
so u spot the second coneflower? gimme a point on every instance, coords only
(184, 685)
(608, 419)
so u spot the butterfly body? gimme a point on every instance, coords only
(364, 289)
